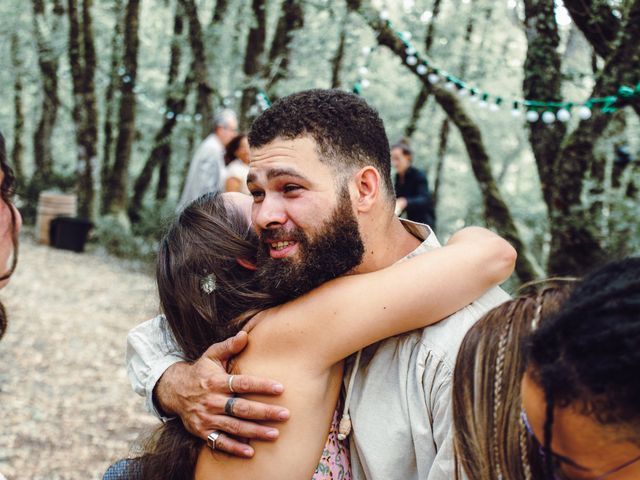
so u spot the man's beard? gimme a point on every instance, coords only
(336, 249)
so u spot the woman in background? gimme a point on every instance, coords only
(236, 159)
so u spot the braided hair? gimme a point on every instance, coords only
(588, 355)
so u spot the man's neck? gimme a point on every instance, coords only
(386, 246)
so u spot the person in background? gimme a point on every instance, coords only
(10, 223)
(236, 160)
(580, 392)
(490, 438)
(412, 189)
(206, 172)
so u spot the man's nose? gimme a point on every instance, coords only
(270, 213)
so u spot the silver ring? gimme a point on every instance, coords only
(228, 407)
(211, 439)
(230, 384)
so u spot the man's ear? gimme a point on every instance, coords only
(367, 184)
(249, 265)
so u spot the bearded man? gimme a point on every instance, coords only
(305, 152)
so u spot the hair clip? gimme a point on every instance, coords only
(208, 284)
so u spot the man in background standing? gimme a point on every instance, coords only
(412, 189)
(207, 167)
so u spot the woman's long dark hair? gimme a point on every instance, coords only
(6, 194)
(204, 242)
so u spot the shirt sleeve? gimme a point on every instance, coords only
(443, 467)
(151, 349)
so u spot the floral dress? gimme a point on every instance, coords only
(334, 463)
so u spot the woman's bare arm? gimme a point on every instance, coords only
(346, 314)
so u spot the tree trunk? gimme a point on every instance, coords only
(597, 22)
(423, 96)
(543, 81)
(574, 243)
(338, 58)
(116, 197)
(442, 153)
(291, 20)
(204, 108)
(18, 123)
(110, 104)
(175, 101)
(219, 12)
(563, 161)
(252, 63)
(496, 211)
(82, 61)
(48, 63)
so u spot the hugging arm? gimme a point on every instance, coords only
(346, 314)
(198, 391)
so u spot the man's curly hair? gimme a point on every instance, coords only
(348, 132)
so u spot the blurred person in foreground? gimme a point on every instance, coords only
(546, 385)
(236, 159)
(411, 186)
(10, 223)
(490, 438)
(581, 389)
(206, 171)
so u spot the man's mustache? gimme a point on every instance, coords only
(281, 234)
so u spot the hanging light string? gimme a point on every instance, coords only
(535, 110)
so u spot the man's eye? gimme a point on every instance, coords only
(257, 195)
(290, 188)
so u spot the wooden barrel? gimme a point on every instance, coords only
(50, 206)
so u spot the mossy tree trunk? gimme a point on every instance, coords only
(338, 57)
(204, 107)
(48, 63)
(113, 88)
(18, 113)
(82, 60)
(116, 194)
(564, 160)
(277, 66)
(253, 63)
(423, 95)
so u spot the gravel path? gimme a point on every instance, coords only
(66, 408)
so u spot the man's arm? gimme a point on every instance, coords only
(197, 392)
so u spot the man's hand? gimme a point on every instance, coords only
(198, 393)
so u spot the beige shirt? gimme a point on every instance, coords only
(401, 400)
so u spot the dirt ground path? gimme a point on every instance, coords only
(66, 408)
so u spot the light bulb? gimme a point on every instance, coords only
(563, 115)
(548, 117)
(532, 116)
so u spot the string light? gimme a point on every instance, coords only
(549, 112)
